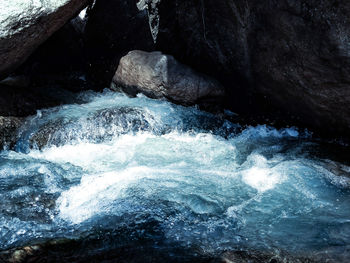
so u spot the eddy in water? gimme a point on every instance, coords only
(169, 182)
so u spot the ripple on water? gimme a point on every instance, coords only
(196, 179)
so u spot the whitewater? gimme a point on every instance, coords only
(179, 176)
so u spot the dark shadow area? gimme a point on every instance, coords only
(112, 32)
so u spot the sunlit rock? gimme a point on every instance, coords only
(24, 25)
(160, 76)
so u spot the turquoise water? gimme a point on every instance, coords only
(174, 174)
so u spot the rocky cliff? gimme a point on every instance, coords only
(287, 56)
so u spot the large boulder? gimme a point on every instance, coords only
(60, 61)
(300, 58)
(293, 55)
(158, 75)
(285, 57)
(48, 77)
(24, 25)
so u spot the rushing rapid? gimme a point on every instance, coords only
(149, 169)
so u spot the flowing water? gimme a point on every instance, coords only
(141, 169)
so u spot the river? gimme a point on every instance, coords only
(137, 169)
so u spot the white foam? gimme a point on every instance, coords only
(94, 157)
(96, 192)
(262, 179)
(263, 131)
(259, 174)
(202, 188)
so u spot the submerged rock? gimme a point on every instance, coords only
(158, 75)
(99, 127)
(259, 257)
(8, 130)
(24, 25)
(67, 250)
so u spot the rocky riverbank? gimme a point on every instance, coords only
(65, 250)
(130, 179)
(286, 62)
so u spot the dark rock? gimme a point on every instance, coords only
(24, 101)
(291, 55)
(307, 71)
(92, 249)
(60, 61)
(30, 206)
(259, 257)
(37, 252)
(19, 81)
(212, 38)
(43, 137)
(49, 75)
(287, 59)
(8, 130)
(24, 25)
(158, 75)
(114, 28)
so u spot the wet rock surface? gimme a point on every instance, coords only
(8, 130)
(101, 126)
(24, 25)
(160, 76)
(170, 183)
(305, 74)
(67, 250)
(241, 256)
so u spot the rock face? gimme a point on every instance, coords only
(24, 25)
(293, 56)
(21, 101)
(60, 61)
(307, 72)
(158, 75)
(114, 28)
